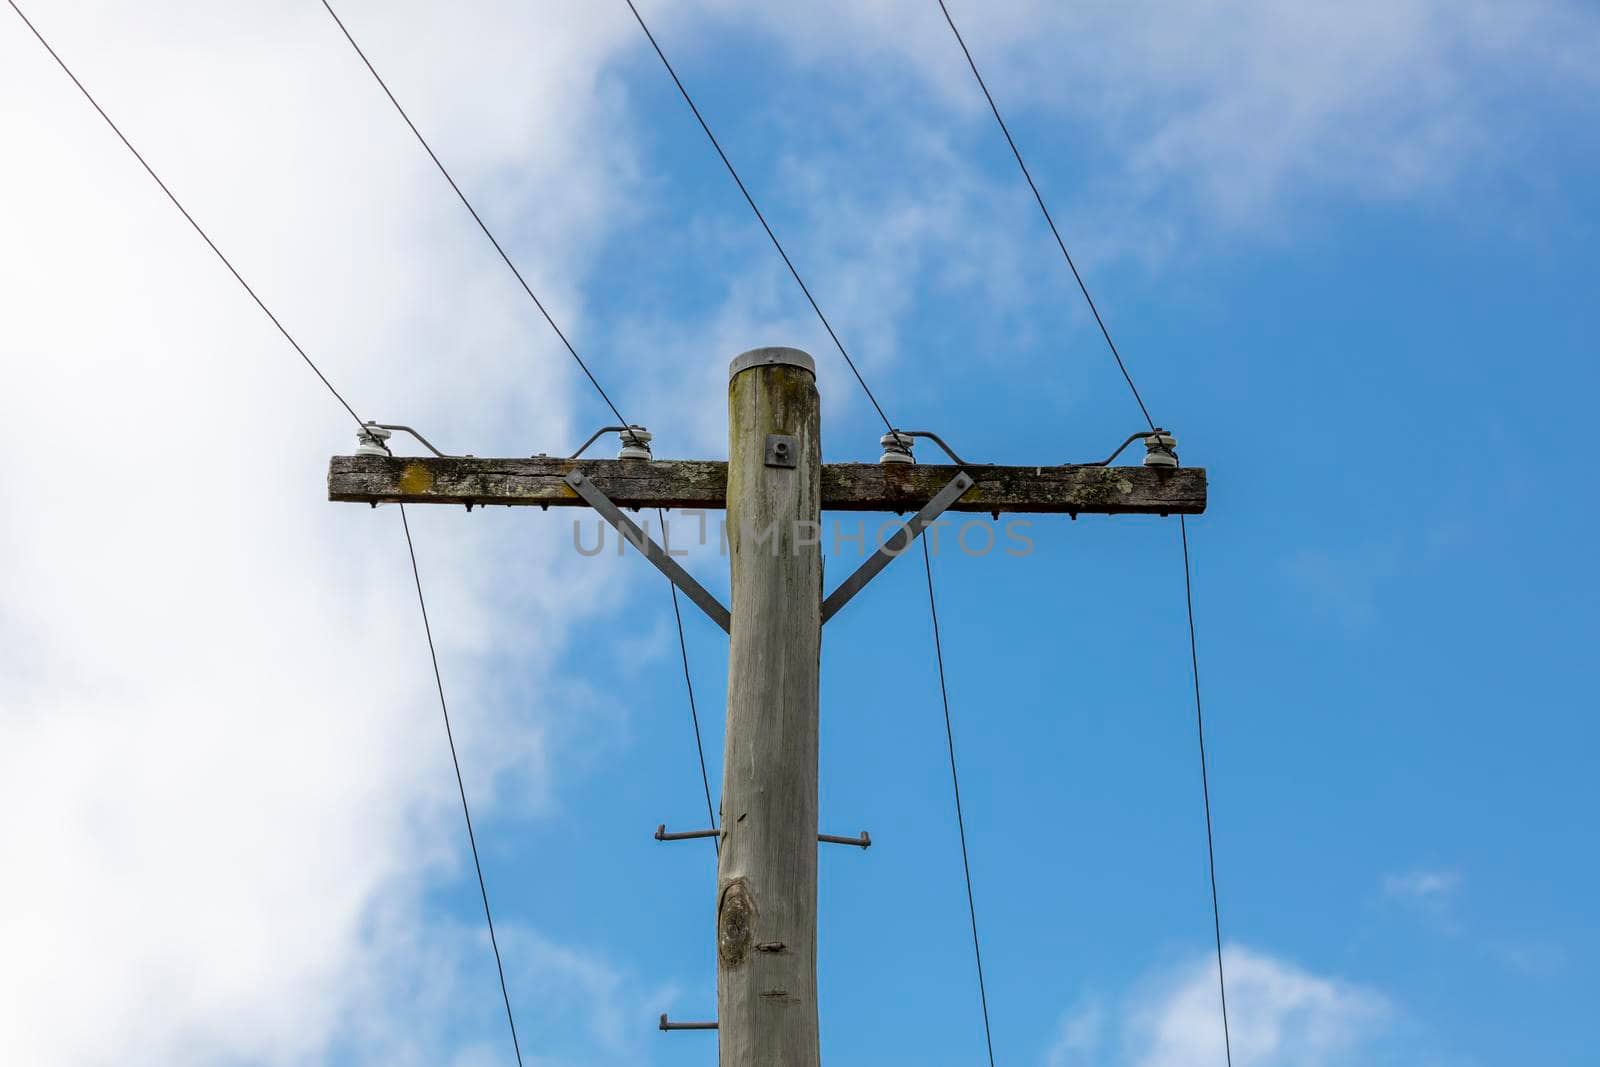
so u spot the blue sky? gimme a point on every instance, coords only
(1347, 256)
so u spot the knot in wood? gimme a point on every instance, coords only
(736, 920)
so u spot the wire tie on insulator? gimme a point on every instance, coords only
(896, 448)
(370, 440)
(1160, 449)
(635, 443)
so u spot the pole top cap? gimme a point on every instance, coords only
(772, 357)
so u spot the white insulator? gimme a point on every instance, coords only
(896, 448)
(1160, 450)
(635, 443)
(370, 441)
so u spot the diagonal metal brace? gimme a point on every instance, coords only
(896, 544)
(652, 551)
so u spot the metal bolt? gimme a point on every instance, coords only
(864, 841)
(685, 835)
(668, 1024)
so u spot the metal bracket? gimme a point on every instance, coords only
(864, 841)
(685, 835)
(782, 450)
(652, 551)
(667, 1024)
(895, 545)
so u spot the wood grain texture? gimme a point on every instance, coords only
(767, 870)
(688, 483)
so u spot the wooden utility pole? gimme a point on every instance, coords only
(767, 874)
(774, 488)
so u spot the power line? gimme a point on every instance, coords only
(787, 262)
(1048, 220)
(475, 216)
(1183, 529)
(694, 712)
(1205, 786)
(410, 547)
(548, 318)
(444, 708)
(185, 212)
(927, 563)
(955, 783)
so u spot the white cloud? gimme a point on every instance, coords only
(1538, 959)
(1281, 1015)
(1345, 585)
(1429, 894)
(224, 780)
(1421, 884)
(870, 256)
(1079, 1036)
(574, 1009)
(1233, 110)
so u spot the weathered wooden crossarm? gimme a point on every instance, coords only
(703, 484)
(1039, 490)
(629, 483)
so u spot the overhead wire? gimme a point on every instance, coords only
(405, 524)
(955, 785)
(773, 237)
(1183, 529)
(972, 910)
(475, 216)
(1205, 784)
(549, 319)
(694, 713)
(444, 707)
(1051, 222)
(287, 336)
